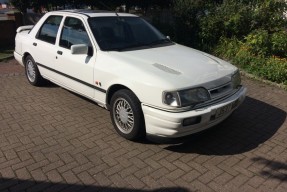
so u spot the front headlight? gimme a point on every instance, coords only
(171, 98)
(186, 97)
(236, 80)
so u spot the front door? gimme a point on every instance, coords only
(75, 71)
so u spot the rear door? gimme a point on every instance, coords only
(44, 45)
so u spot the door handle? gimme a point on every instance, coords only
(60, 52)
(35, 44)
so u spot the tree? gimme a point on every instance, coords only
(110, 5)
(21, 5)
(238, 18)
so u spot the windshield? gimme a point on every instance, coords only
(126, 33)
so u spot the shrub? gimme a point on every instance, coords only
(275, 69)
(234, 18)
(248, 61)
(261, 42)
(250, 33)
(267, 67)
(279, 43)
(230, 19)
(227, 48)
(258, 42)
(268, 14)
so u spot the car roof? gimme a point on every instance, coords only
(93, 13)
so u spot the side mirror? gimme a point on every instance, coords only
(79, 49)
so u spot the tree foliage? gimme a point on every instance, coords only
(187, 14)
(22, 5)
(208, 21)
(240, 17)
(250, 33)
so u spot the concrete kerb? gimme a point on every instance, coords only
(281, 86)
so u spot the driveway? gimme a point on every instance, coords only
(53, 140)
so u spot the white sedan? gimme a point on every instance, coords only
(150, 84)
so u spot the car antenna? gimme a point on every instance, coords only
(109, 8)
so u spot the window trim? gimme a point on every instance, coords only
(86, 29)
(39, 30)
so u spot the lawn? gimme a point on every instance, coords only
(6, 53)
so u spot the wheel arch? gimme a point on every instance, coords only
(112, 90)
(25, 55)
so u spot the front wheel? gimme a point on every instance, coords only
(127, 115)
(32, 72)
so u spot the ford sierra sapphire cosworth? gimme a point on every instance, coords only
(150, 84)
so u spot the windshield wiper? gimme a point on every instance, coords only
(132, 46)
(138, 45)
(160, 41)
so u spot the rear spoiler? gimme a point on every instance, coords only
(24, 28)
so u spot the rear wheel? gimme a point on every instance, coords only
(127, 116)
(32, 72)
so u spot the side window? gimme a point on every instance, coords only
(74, 33)
(48, 31)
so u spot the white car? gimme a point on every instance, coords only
(151, 85)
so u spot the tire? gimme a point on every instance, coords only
(127, 115)
(32, 72)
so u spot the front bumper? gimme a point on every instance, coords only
(168, 124)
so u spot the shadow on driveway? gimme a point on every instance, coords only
(28, 185)
(251, 124)
(274, 169)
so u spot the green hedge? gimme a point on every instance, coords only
(250, 33)
(246, 56)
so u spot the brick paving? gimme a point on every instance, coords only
(53, 140)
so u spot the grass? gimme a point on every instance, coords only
(6, 53)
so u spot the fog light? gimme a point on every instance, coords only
(191, 121)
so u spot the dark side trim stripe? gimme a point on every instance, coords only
(73, 78)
